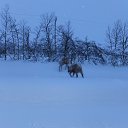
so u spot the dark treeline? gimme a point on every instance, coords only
(50, 42)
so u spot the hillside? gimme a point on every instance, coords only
(37, 95)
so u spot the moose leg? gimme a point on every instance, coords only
(70, 74)
(82, 74)
(59, 68)
(73, 73)
(76, 75)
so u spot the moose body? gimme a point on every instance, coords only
(75, 69)
(62, 62)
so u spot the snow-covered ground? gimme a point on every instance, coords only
(37, 95)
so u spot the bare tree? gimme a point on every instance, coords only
(38, 37)
(55, 34)
(14, 38)
(124, 44)
(67, 49)
(28, 43)
(18, 41)
(5, 28)
(117, 38)
(113, 37)
(25, 39)
(48, 22)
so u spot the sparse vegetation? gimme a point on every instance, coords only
(51, 42)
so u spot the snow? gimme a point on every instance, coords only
(37, 95)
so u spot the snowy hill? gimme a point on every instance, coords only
(37, 95)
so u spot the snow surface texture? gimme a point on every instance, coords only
(37, 95)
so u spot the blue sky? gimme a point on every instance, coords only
(88, 17)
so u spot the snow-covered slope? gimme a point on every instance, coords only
(37, 95)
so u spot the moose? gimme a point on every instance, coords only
(75, 69)
(62, 62)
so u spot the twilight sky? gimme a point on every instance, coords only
(88, 17)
